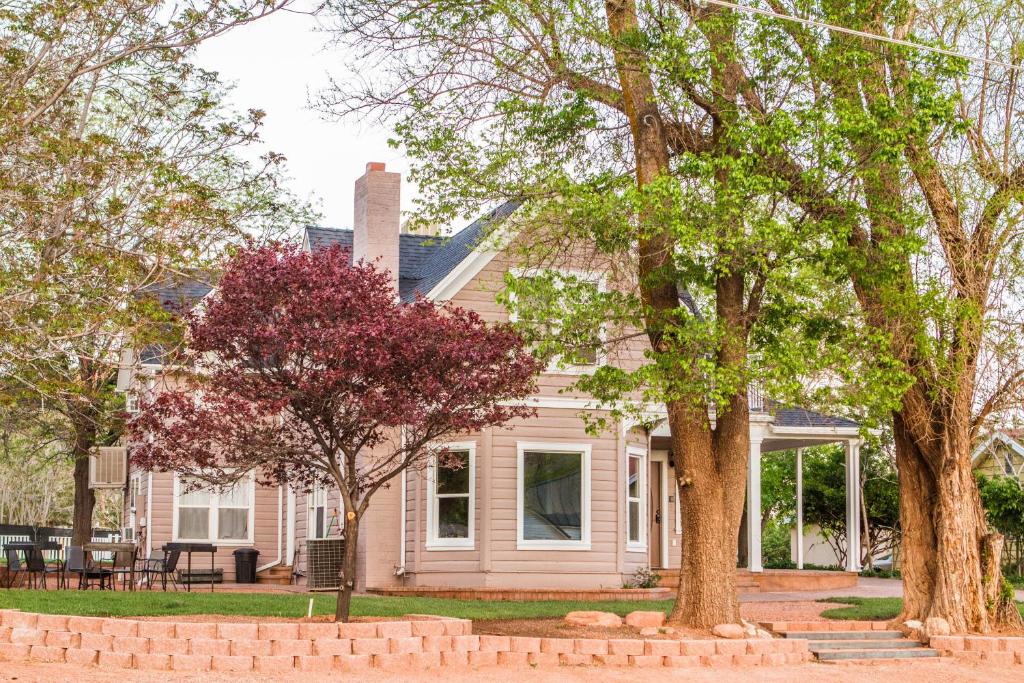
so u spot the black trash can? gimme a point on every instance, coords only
(245, 565)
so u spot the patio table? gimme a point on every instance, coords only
(188, 549)
(114, 548)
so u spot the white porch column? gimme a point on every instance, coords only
(799, 508)
(754, 507)
(853, 506)
(290, 528)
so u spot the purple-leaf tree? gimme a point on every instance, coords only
(307, 369)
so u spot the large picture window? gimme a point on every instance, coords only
(211, 515)
(450, 498)
(553, 496)
(636, 498)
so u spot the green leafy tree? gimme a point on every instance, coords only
(621, 126)
(121, 169)
(1003, 498)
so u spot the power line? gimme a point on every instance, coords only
(862, 34)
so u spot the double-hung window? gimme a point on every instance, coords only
(450, 498)
(553, 496)
(211, 515)
(636, 498)
(318, 521)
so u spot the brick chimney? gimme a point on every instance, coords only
(375, 226)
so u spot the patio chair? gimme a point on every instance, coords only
(14, 568)
(164, 564)
(77, 563)
(124, 562)
(37, 569)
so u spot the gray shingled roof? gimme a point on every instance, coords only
(786, 416)
(423, 261)
(177, 298)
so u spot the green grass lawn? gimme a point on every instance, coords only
(158, 603)
(871, 609)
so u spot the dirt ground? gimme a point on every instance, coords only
(920, 672)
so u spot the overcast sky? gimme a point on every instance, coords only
(275, 63)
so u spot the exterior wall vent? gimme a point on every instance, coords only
(108, 467)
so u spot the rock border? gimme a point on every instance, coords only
(421, 642)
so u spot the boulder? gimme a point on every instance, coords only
(641, 619)
(593, 619)
(936, 626)
(733, 631)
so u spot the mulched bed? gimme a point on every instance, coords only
(556, 628)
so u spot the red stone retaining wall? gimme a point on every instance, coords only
(998, 649)
(394, 645)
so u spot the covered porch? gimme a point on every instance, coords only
(775, 428)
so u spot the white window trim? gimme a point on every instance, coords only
(554, 367)
(214, 501)
(311, 514)
(642, 500)
(442, 544)
(583, 449)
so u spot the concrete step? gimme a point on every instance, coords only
(915, 653)
(844, 635)
(902, 644)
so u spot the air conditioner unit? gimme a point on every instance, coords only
(108, 467)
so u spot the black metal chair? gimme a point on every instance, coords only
(77, 563)
(164, 564)
(15, 570)
(36, 569)
(124, 566)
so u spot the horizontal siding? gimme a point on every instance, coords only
(268, 518)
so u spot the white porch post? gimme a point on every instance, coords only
(799, 508)
(754, 507)
(853, 506)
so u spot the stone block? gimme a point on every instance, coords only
(52, 622)
(646, 661)
(394, 629)
(273, 663)
(730, 647)
(211, 646)
(495, 643)
(357, 630)
(370, 646)
(293, 647)
(47, 653)
(231, 663)
(700, 648)
(278, 631)
(455, 659)
(14, 652)
(405, 646)
(120, 627)
(168, 646)
(85, 624)
(191, 662)
(195, 629)
(683, 661)
(524, 644)
(662, 648)
(80, 657)
(314, 662)
(131, 644)
(332, 646)
(251, 648)
(557, 645)
(157, 629)
(489, 658)
(116, 660)
(63, 639)
(514, 658)
(437, 643)
(428, 628)
(153, 662)
(353, 663)
(230, 631)
(611, 660)
(465, 643)
(315, 630)
(27, 636)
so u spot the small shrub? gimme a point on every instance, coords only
(643, 577)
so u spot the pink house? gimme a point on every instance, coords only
(540, 504)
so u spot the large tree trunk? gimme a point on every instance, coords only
(948, 559)
(348, 570)
(85, 497)
(710, 503)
